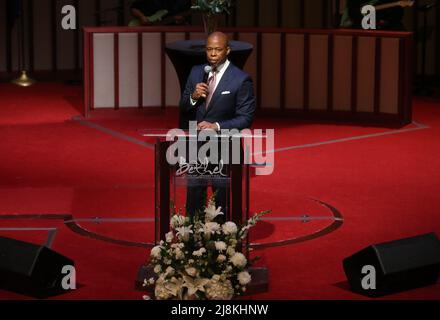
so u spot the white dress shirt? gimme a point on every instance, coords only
(221, 69)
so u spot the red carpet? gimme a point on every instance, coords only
(55, 167)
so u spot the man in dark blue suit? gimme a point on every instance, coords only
(232, 102)
(223, 99)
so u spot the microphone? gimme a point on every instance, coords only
(207, 70)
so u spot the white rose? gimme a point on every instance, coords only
(230, 228)
(199, 252)
(221, 258)
(179, 254)
(156, 252)
(166, 289)
(192, 272)
(157, 268)
(169, 237)
(161, 292)
(220, 246)
(230, 251)
(244, 278)
(238, 260)
(219, 290)
(169, 271)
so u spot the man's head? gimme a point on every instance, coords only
(217, 48)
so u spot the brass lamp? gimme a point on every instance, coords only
(23, 80)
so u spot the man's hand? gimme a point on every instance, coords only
(201, 91)
(206, 125)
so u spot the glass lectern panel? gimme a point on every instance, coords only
(188, 182)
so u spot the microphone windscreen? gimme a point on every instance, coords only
(207, 69)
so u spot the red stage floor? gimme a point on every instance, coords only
(58, 170)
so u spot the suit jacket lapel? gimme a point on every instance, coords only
(222, 86)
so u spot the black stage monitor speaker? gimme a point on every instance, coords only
(394, 266)
(30, 269)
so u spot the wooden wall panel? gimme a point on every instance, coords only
(408, 19)
(437, 41)
(389, 90)
(313, 14)
(197, 36)
(151, 73)
(342, 69)
(230, 35)
(109, 12)
(87, 13)
(245, 13)
(291, 13)
(366, 74)
(251, 64)
(270, 75)
(431, 56)
(65, 41)
(26, 35)
(323, 59)
(87, 18)
(43, 29)
(318, 72)
(294, 71)
(14, 47)
(268, 16)
(104, 74)
(127, 12)
(14, 50)
(172, 86)
(3, 49)
(128, 70)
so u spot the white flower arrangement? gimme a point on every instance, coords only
(200, 258)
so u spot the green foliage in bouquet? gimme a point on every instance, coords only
(200, 260)
(212, 6)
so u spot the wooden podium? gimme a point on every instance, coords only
(171, 184)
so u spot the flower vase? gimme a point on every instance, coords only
(210, 22)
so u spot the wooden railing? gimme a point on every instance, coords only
(318, 74)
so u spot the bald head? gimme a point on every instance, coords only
(220, 37)
(217, 48)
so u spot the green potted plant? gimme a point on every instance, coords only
(211, 11)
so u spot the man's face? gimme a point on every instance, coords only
(217, 50)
